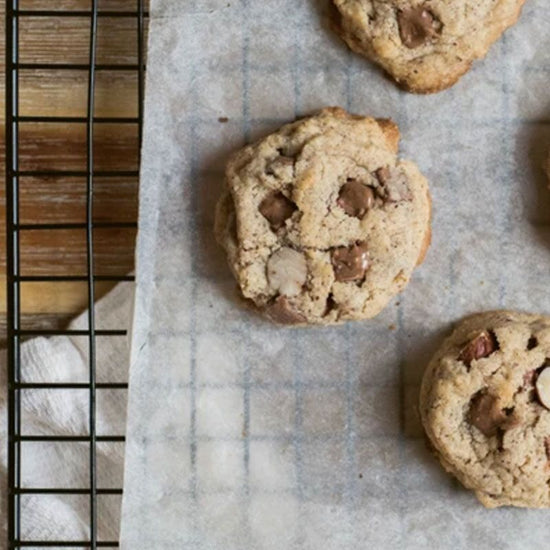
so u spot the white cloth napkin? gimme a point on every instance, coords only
(65, 412)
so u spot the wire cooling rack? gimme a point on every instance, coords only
(16, 333)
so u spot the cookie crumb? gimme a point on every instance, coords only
(223, 119)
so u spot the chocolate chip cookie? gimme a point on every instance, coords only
(485, 405)
(425, 45)
(321, 222)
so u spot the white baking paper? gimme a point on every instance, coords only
(243, 435)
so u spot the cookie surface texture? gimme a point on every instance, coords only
(485, 406)
(321, 222)
(426, 46)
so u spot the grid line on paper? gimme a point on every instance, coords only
(273, 386)
(502, 223)
(246, 425)
(402, 415)
(274, 121)
(298, 426)
(296, 360)
(402, 384)
(349, 332)
(309, 70)
(246, 435)
(192, 329)
(505, 222)
(287, 438)
(245, 70)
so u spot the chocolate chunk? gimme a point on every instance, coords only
(276, 208)
(547, 447)
(417, 26)
(500, 439)
(383, 175)
(485, 414)
(394, 185)
(483, 345)
(281, 311)
(355, 198)
(330, 305)
(532, 343)
(350, 262)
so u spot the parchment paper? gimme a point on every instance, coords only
(243, 435)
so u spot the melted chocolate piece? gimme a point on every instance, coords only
(355, 198)
(350, 262)
(486, 415)
(276, 209)
(483, 345)
(383, 175)
(281, 311)
(417, 26)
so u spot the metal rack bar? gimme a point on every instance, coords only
(141, 69)
(69, 386)
(58, 226)
(71, 278)
(67, 332)
(75, 67)
(70, 438)
(76, 173)
(75, 13)
(12, 262)
(16, 333)
(62, 491)
(63, 544)
(77, 119)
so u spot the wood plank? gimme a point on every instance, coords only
(63, 252)
(116, 40)
(54, 298)
(46, 146)
(64, 200)
(64, 93)
(112, 5)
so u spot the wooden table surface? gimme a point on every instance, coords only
(45, 146)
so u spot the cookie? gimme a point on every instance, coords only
(485, 406)
(426, 45)
(321, 222)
